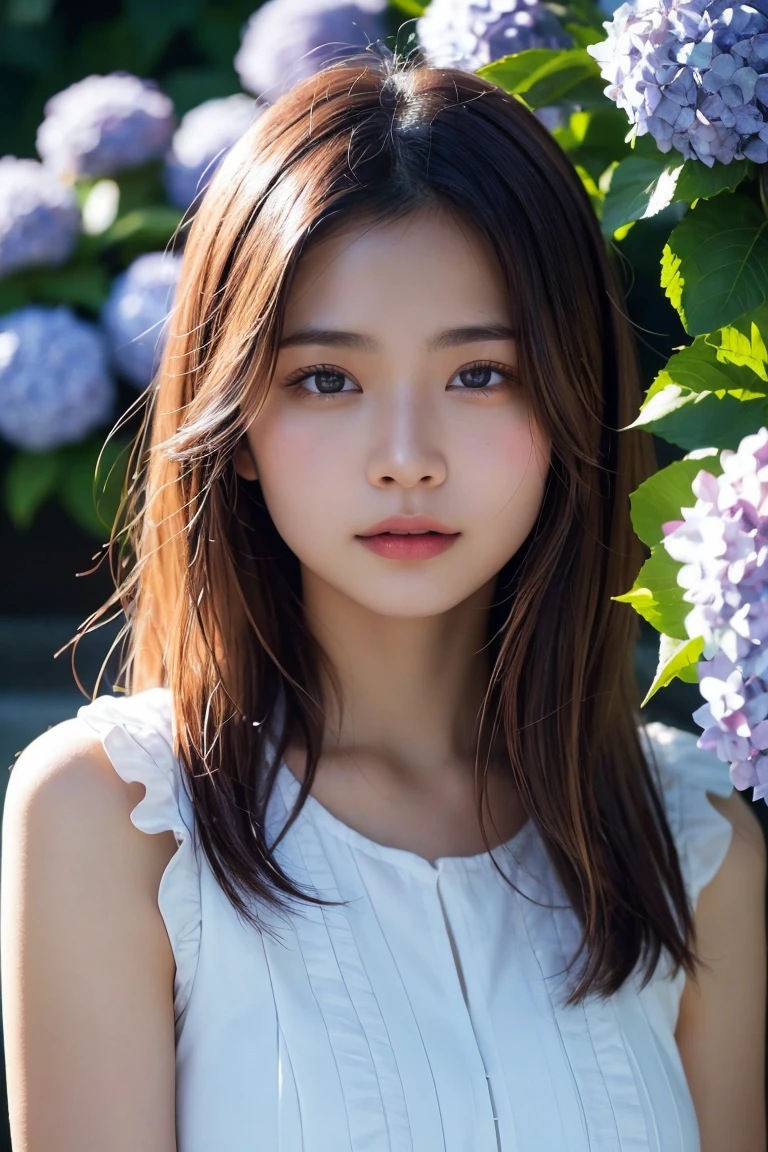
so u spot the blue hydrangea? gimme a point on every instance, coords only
(287, 40)
(200, 142)
(39, 216)
(55, 384)
(471, 33)
(134, 314)
(693, 74)
(722, 546)
(104, 124)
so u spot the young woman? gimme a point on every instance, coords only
(372, 853)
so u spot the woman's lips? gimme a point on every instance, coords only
(413, 546)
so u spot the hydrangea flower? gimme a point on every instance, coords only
(39, 216)
(104, 124)
(55, 384)
(200, 142)
(287, 40)
(134, 314)
(470, 33)
(693, 73)
(722, 543)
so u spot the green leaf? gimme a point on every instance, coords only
(92, 483)
(588, 93)
(594, 139)
(691, 419)
(31, 477)
(149, 226)
(644, 185)
(715, 265)
(592, 189)
(696, 181)
(677, 658)
(515, 73)
(584, 34)
(689, 673)
(544, 75)
(408, 7)
(86, 285)
(733, 358)
(587, 12)
(710, 391)
(639, 189)
(656, 595)
(741, 344)
(660, 497)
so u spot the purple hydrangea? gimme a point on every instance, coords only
(694, 74)
(135, 312)
(722, 543)
(104, 124)
(55, 384)
(39, 216)
(471, 33)
(287, 40)
(200, 142)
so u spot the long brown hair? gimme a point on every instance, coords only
(212, 594)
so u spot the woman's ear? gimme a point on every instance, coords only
(245, 465)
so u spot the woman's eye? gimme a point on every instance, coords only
(325, 381)
(479, 377)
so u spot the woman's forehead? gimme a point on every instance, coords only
(427, 262)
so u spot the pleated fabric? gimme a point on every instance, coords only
(425, 1013)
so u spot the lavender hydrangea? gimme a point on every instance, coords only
(104, 124)
(722, 543)
(471, 33)
(200, 142)
(55, 384)
(134, 314)
(287, 40)
(39, 216)
(693, 73)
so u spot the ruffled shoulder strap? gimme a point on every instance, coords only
(688, 773)
(137, 735)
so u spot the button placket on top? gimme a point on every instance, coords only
(487, 1131)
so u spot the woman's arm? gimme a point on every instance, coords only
(721, 1027)
(87, 967)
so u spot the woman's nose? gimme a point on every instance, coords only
(406, 444)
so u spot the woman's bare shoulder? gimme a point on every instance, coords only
(65, 775)
(65, 760)
(85, 954)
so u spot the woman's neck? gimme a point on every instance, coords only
(412, 688)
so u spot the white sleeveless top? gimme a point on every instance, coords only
(426, 1014)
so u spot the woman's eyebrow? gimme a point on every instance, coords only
(450, 338)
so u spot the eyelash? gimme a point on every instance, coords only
(306, 373)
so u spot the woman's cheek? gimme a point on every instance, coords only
(301, 470)
(504, 456)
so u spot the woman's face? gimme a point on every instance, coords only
(403, 403)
